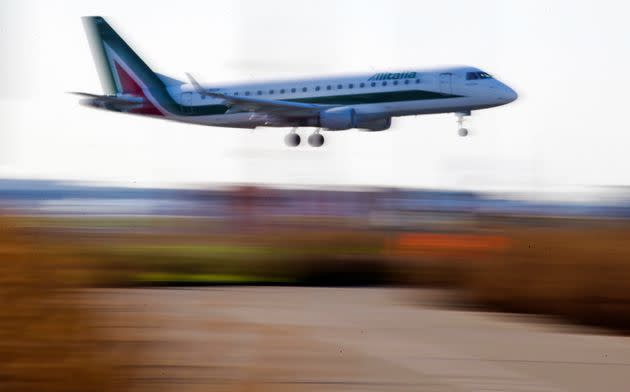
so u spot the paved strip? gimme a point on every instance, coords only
(333, 339)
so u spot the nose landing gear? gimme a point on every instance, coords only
(463, 132)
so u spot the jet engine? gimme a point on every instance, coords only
(375, 125)
(338, 119)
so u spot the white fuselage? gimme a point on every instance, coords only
(444, 90)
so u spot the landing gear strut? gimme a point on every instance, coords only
(316, 139)
(292, 139)
(463, 132)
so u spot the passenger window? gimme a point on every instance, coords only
(351, 85)
(317, 88)
(259, 92)
(282, 91)
(247, 93)
(362, 85)
(270, 92)
(236, 93)
(304, 89)
(339, 87)
(373, 84)
(395, 82)
(384, 83)
(293, 90)
(406, 81)
(417, 81)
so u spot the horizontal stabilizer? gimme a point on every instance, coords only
(112, 102)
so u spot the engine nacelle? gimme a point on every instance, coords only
(375, 125)
(338, 119)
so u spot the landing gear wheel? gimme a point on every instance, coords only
(292, 140)
(316, 140)
(463, 132)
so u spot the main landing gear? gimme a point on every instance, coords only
(292, 139)
(463, 132)
(316, 139)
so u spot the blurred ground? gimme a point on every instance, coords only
(352, 339)
(93, 297)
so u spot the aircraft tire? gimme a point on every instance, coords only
(292, 140)
(316, 140)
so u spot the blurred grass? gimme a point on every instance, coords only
(315, 258)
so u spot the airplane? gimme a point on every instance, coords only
(366, 102)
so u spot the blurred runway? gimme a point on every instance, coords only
(358, 339)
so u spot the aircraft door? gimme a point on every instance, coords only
(446, 83)
(186, 102)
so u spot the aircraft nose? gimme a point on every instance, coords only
(509, 95)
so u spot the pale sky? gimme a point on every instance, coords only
(568, 60)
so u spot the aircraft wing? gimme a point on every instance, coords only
(247, 104)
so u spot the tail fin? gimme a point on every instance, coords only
(120, 69)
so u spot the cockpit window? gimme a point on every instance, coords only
(472, 76)
(477, 75)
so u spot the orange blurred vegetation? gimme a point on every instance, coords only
(575, 269)
(48, 341)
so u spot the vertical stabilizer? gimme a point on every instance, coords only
(120, 69)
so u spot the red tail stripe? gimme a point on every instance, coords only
(130, 86)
